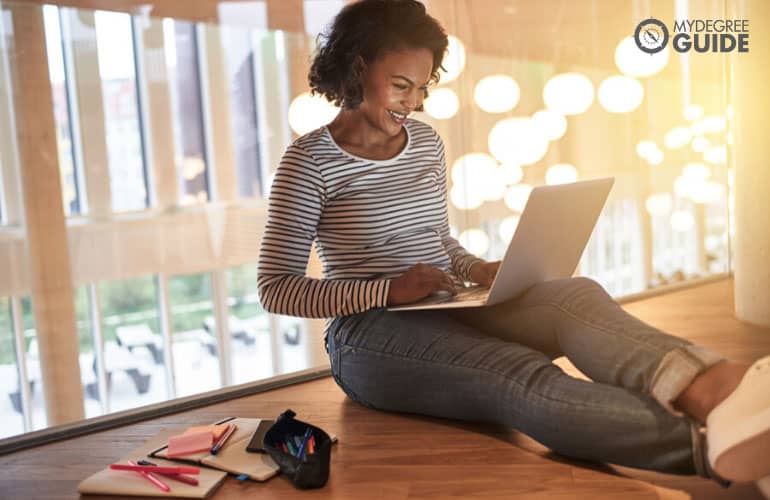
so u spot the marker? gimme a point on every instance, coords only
(229, 432)
(290, 445)
(154, 480)
(302, 446)
(311, 444)
(176, 477)
(159, 470)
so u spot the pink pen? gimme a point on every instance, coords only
(154, 480)
(176, 477)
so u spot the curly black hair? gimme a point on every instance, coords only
(370, 29)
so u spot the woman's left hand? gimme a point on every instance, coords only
(484, 273)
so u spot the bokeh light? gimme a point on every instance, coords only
(507, 228)
(307, 113)
(620, 94)
(497, 93)
(568, 93)
(516, 140)
(475, 241)
(549, 124)
(442, 103)
(454, 60)
(633, 62)
(561, 173)
(516, 197)
(682, 221)
(659, 204)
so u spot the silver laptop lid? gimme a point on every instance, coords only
(551, 235)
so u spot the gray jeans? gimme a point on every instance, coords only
(493, 364)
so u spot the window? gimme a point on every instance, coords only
(87, 357)
(181, 45)
(70, 176)
(2, 197)
(133, 345)
(32, 360)
(128, 177)
(249, 327)
(319, 13)
(3, 56)
(240, 60)
(10, 406)
(196, 361)
(294, 339)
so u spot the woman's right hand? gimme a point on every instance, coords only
(417, 283)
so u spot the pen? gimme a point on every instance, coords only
(297, 441)
(311, 444)
(177, 477)
(159, 470)
(304, 443)
(154, 480)
(290, 445)
(223, 439)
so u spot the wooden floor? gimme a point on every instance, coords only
(392, 456)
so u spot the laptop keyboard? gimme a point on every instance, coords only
(472, 293)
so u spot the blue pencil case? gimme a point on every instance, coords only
(288, 442)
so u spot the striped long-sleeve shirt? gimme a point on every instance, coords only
(371, 221)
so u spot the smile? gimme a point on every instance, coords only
(399, 117)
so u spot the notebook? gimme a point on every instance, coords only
(127, 483)
(233, 457)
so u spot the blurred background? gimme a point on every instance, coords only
(138, 142)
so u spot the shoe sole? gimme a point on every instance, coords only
(747, 460)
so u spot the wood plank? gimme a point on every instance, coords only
(393, 456)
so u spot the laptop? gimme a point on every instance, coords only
(552, 233)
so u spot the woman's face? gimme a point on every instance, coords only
(394, 86)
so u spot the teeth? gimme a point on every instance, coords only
(398, 116)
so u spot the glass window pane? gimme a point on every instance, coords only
(34, 374)
(61, 110)
(121, 112)
(11, 419)
(319, 13)
(181, 44)
(249, 327)
(293, 337)
(239, 58)
(2, 196)
(196, 365)
(88, 372)
(4, 52)
(133, 345)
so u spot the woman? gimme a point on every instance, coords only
(370, 189)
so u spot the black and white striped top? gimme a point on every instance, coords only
(371, 220)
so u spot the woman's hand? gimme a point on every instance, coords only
(417, 283)
(484, 273)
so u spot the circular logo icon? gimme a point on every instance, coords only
(651, 36)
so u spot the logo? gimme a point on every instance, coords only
(651, 36)
(700, 35)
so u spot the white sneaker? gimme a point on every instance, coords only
(738, 428)
(763, 485)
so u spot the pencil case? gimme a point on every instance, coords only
(312, 469)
